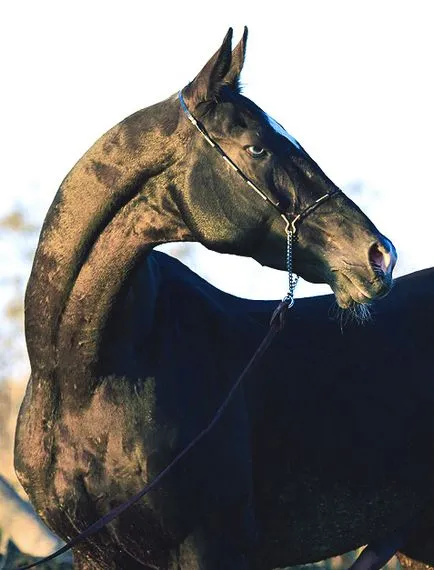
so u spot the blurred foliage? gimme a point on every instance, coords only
(11, 395)
(18, 237)
(17, 221)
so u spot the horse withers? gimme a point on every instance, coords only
(131, 354)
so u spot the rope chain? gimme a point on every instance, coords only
(292, 278)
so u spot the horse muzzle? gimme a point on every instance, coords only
(364, 283)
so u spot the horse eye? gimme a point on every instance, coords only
(255, 151)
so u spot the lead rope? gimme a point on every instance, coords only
(277, 323)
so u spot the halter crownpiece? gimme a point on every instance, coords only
(291, 224)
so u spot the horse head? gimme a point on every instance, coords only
(335, 242)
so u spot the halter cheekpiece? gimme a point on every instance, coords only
(290, 223)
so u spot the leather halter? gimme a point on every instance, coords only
(290, 221)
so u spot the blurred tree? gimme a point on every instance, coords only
(18, 236)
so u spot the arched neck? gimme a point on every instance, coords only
(117, 203)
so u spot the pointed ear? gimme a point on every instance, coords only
(238, 55)
(206, 85)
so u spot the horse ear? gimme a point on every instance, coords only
(238, 55)
(206, 85)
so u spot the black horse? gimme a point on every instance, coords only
(131, 353)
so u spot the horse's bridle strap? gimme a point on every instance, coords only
(222, 153)
(290, 222)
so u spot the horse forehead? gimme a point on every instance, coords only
(277, 128)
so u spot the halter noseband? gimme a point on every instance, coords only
(291, 227)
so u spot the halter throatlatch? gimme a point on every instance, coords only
(291, 221)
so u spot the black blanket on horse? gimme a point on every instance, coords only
(334, 417)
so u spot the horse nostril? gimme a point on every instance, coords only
(381, 257)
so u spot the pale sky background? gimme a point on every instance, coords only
(351, 80)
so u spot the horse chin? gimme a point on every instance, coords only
(353, 289)
(352, 312)
(352, 301)
(349, 298)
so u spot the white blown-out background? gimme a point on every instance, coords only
(352, 81)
